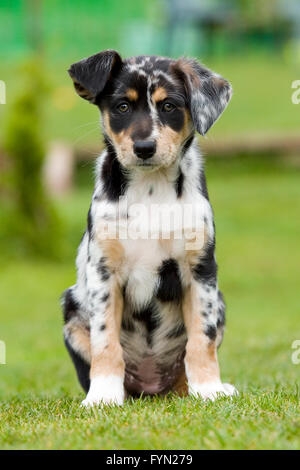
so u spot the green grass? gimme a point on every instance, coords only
(257, 206)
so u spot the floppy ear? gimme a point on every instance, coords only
(208, 93)
(91, 75)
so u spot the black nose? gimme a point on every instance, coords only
(144, 148)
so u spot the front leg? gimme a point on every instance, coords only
(107, 364)
(200, 311)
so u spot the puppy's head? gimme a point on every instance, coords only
(150, 105)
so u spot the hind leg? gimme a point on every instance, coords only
(221, 311)
(77, 339)
(81, 366)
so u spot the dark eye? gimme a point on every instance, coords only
(167, 107)
(123, 107)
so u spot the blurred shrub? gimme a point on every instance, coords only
(255, 13)
(31, 222)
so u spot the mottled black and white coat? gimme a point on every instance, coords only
(146, 315)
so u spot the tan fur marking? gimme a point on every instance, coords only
(180, 387)
(189, 70)
(159, 94)
(192, 255)
(110, 360)
(81, 91)
(79, 338)
(169, 136)
(112, 249)
(132, 94)
(169, 140)
(201, 355)
(113, 252)
(219, 82)
(122, 141)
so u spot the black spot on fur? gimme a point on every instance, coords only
(97, 197)
(179, 184)
(105, 297)
(149, 317)
(127, 325)
(90, 222)
(103, 270)
(187, 144)
(102, 327)
(70, 305)
(174, 119)
(124, 287)
(81, 366)
(206, 270)
(202, 184)
(177, 331)
(114, 180)
(221, 311)
(170, 288)
(211, 332)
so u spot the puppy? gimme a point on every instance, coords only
(146, 314)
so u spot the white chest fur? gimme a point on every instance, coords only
(153, 224)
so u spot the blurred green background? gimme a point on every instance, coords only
(49, 139)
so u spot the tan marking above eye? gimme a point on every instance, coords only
(132, 94)
(159, 94)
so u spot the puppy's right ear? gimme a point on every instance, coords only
(92, 74)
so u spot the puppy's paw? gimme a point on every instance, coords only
(98, 401)
(212, 390)
(105, 390)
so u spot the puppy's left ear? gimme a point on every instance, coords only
(92, 74)
(208, 93)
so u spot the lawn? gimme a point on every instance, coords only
(257, 206)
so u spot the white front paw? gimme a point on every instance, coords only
(105, 390)
(212, 390)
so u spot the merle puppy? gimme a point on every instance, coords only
(146, 315)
